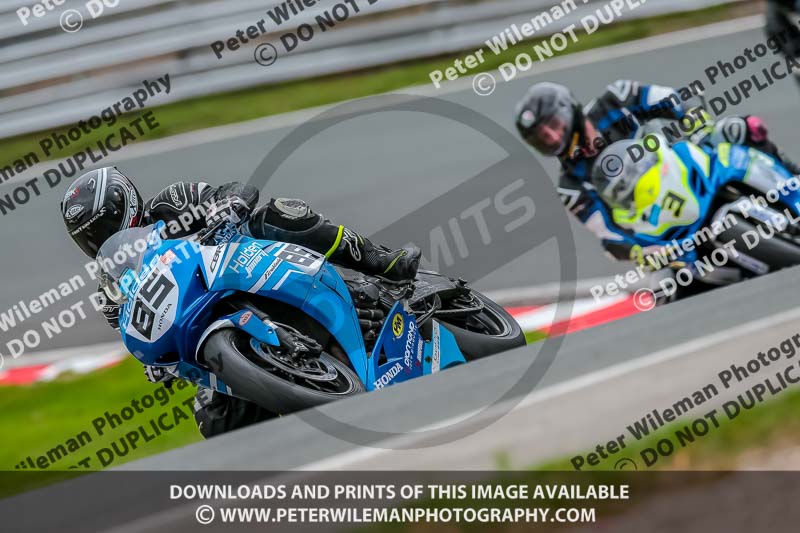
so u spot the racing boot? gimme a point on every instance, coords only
(359, 253)
(292, 220)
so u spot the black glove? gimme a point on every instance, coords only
(157, 374)
(232, 209)
(248, 193)
(109, 309)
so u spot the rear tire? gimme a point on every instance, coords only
(776, 252)
(503, 332)
(229, 355)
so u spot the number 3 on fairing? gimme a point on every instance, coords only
(673, 202)
(153, 293)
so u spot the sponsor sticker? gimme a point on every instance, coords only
(217, 255)
(74, 211)
(408, 356)
(249, 257)
(397, 325)
(168, 257)
(271, 270)
(386, 378)
(245, 318)
(90, 222)
(72, 193)
(435, 361)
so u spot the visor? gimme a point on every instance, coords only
(551, 136)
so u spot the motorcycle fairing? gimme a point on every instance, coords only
(407, 354)
(177, 289)
(709, 171)
(442, 352)
(285, 272)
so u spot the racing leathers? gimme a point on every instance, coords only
(670, 216)
(621, 112)
(781, 28)
(184, 206)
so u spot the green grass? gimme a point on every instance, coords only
(39, 417)
(259, 102)
(535, 336)
(767, 426)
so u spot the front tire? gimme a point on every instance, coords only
(231, 357)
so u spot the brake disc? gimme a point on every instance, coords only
(315, 369)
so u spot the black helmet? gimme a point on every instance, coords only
(99, 204)
(549, 117)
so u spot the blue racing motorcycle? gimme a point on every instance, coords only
(714, 214)
(277, 324)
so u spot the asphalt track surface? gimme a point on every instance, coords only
(371, 171)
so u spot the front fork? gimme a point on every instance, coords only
(263, 330)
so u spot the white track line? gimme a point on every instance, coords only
(61, 354)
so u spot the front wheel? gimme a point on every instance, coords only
(492, 330)
(275, 385)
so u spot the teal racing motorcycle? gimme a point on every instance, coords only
(277, 324)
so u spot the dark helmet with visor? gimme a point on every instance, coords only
(99, 204)
(550, 119)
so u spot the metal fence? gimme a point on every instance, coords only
(51, 77)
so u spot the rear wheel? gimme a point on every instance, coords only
(777, 252)
(260, 374)
(487, 332)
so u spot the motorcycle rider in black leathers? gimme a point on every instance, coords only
(781, 25)
(554, 123)
(102, 202)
